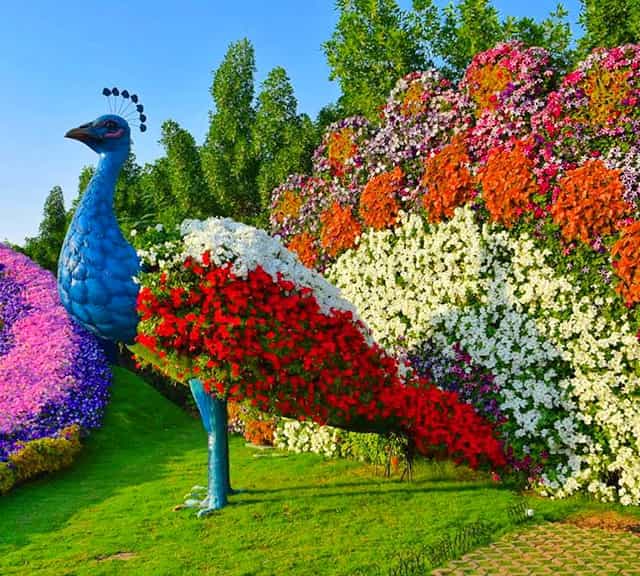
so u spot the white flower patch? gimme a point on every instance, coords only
(246, 248)
(567, 373)
(307, 437)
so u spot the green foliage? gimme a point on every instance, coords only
(127, 200)
(374, 44)
(191, 196)
(609, 23)
(228, 155)
(373, 448)
(283, 140)
(467, 28)
(552, 33)
(85, 176)
(7, 477)
(45, 247)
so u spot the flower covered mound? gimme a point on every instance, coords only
(506, 86)
(513, 242)
(53, 373)
(237, 310)
(563, 373)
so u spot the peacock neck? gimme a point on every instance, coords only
(98, 197)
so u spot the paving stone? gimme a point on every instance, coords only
(558, 549)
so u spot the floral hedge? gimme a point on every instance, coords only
(54, 377)
(490, 238)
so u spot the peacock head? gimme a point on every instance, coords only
(108, 133)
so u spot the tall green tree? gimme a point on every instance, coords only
(374, 44)
(609, 23)
(155, 189)
(191, 195)
(283, 140)
(228, 155)
(127, 200)
(45, 247)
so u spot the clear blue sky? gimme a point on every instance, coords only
(55, 58)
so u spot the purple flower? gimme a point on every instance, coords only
(53, 373)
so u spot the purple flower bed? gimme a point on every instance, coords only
(53, 372)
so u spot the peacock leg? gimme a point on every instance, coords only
(214, 419)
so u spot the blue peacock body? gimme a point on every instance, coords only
(96, 271)
(97, 265)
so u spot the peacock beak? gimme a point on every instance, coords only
(84, 133)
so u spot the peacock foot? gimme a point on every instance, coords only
(199, 499)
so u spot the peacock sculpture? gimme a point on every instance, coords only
(237, 316)
(97, 265)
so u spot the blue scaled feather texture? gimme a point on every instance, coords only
(97, 265)
(95, 281)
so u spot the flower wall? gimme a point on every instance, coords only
(53, 374)
(490, 239)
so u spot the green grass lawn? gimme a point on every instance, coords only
(112, 512)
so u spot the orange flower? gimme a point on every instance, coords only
(339, 229)
(485, 83)
(340, 148)
(625, 262)
(508, 183)
(288, 207)
(303, 245)
(260, 432)
(589, 202)
(378, 204)
(447, 180)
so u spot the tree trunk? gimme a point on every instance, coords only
(214, 418)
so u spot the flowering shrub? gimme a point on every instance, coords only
(236, 416)
(507, 85)
(447, 181)
(340, 155)
(337, 443)
(421, 113)
(594, 114)
(308, 437)
(304, 246)
(589, 202)
(237, 310)
(260, 432)
(340, 229)
(301, 231)
(563, 371)
(508, 184)
(627, 264)
(53, 374)
(379, 204)
(45, 454)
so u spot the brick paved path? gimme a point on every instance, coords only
(558, 549)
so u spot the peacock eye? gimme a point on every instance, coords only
(111, 125)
